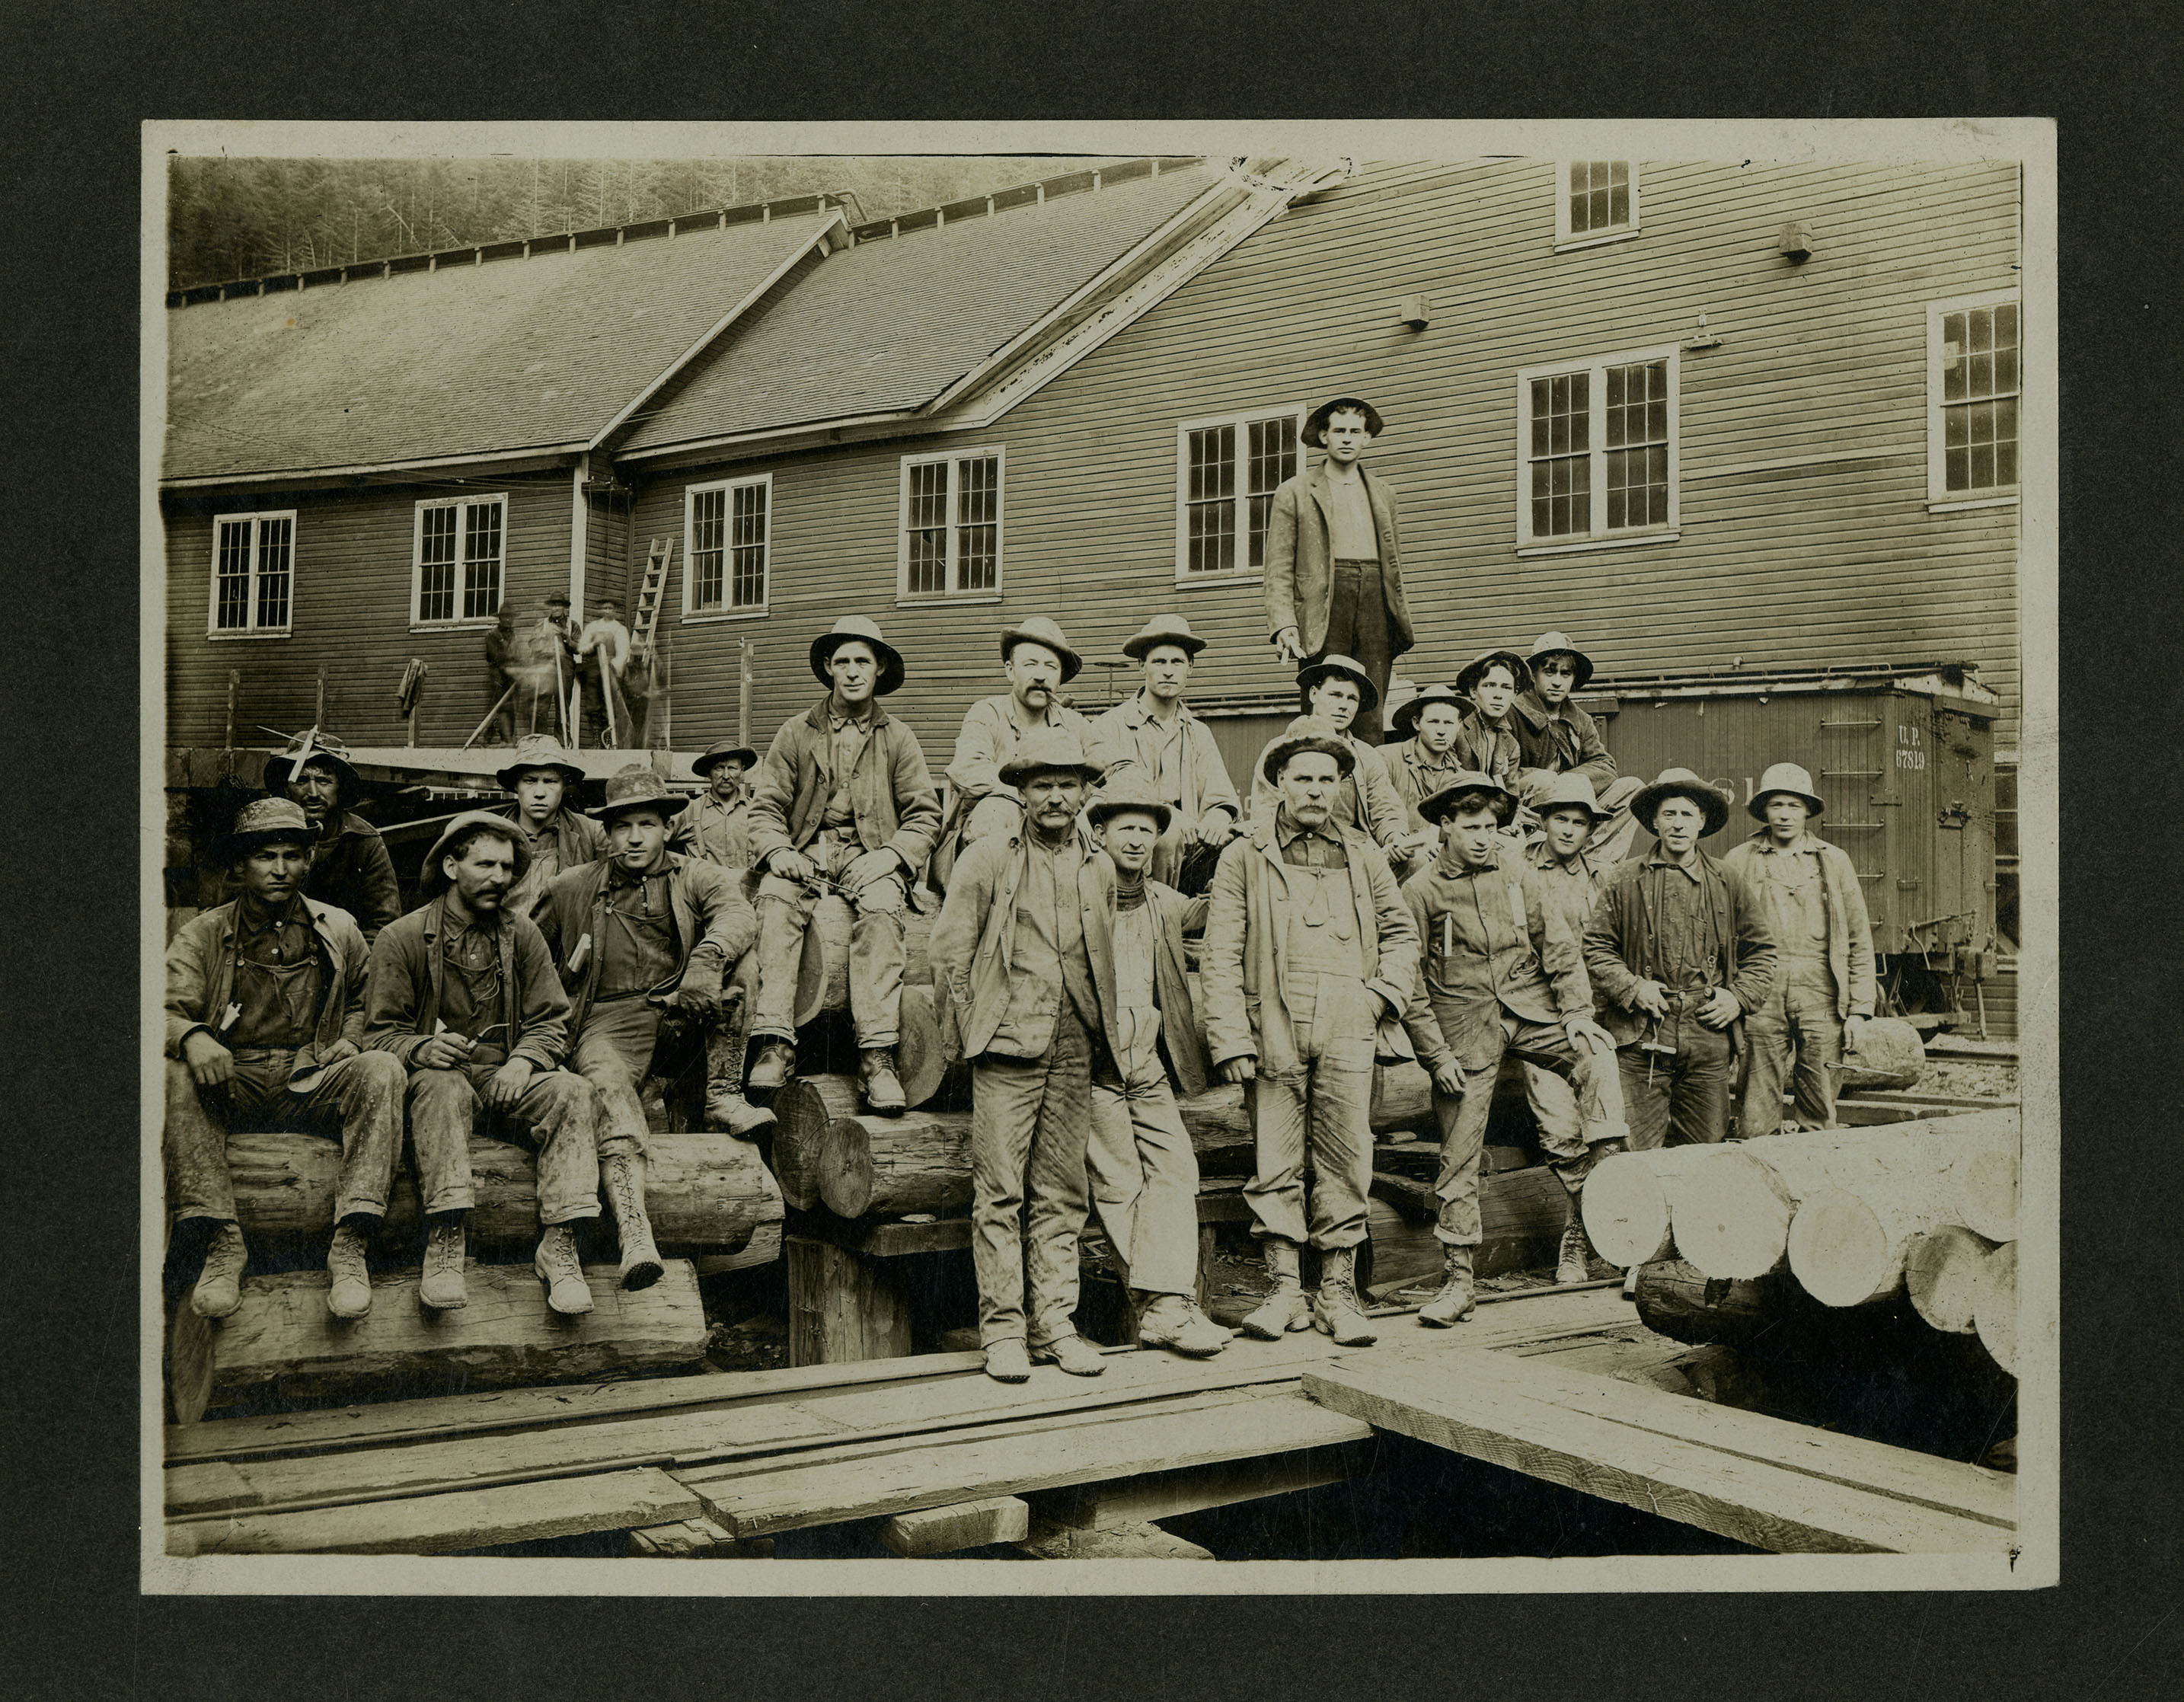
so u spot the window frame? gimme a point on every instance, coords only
(695, 613)
(998, 454)
(1243, 573)
(1566, 240)
(1940, 498)
(1597, 367)
(255, 517)
(457, 623)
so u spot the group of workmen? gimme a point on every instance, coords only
(556, 674)
(1463, 895)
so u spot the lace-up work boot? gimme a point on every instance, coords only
(725, 1107)
(1173, 1320)
(1573, 1263)
(624, 1176)
(776, 1063)
(1006, 1361)
(220, 1281)
(881, 1086)
(555, 1261)
(1073, 1353)
(349, 1285)
(1285, 1307)
(1454, 1302)
(442, 1286)
(1334, 1306)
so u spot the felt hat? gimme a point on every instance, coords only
(268, 821)
(1468, 783)
(1312, 673)
(1558, 644)
(305, 749)
(1129, 790)
(1467, 681)
(637, 787)
(1315, 425)
(864, 632)
(538, 751)
(719, 752)
(555, 598)
(1682, 783)
(1315, 734)
(431, 879)
(1039, 630)
(1404, 721)
(1571, 791)
(1051, 748)
(1162, 629)
(1786, 777)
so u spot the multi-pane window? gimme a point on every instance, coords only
(1596, 448)
(1228, 470)
(725, 544)
(1974, 376)
(1595, 198)
(2006, 919)
(253, 572)
(951, 524)
(460, 548)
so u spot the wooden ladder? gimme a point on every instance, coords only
(657, 557)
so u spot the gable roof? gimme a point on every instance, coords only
(543, 353)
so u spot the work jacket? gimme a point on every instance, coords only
(1569, 744)
(1619, 945)
(353, 872)
(1491, 939)
(1367, 801)
(974, 941)
(1573, 885)
(715, 832)
(1486, 749)
(1182, 1047)
(1129, 736)
(1414, 777)
(1850, 930)
(988, 737)
(1299, 584)
(403, 1000)
(201, 976)
(577, 838)
(1242, 974)
(706, 902)
(892, 798)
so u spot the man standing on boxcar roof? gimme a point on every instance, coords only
(350, 869)
(1152, 736)
(556, 834)
(1335, 577)
(1039, 662)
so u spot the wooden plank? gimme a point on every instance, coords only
(843, 1306)
(190, 1347)
(965, 1525)
(447, 1524)
(763, 1248)
(686, 1539)
(1170, 1495)
(1136, 1542)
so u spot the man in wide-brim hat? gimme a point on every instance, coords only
(350, 869)
(1824, 985)
(1152, 736)
(1334, 576)
(1426, 759)
(1038, 660)
(1491, 682)
(265, 1018)
(1556, 737)
(717, 827)
(556, 833)
(1331, 693)
(843, 799)
(1677, 954)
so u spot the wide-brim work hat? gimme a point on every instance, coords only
(717, 754)
(1329, 667)
(1467, 681)
(1129, 790)
(1404, 721)
(1559, 644)
(1314, 735)
(430, 879)
(267, 822)
(538, 751)
(1051, 750)
(1315, 425)
(1571, 791)
(1786, 777)
(1039, 630)
(1682, 783)
(637, 787)
(864, 632)
(305, 749)
(1162, 629)
(1468, 782)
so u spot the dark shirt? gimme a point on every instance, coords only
(1687, 953)
(1310, 847)
(470, 1002)
(279, 981)
(639, 952)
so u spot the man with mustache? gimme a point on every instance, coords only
(350, 869)
(717, 827)
(1039, 662)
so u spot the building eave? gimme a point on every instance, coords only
(538, 458)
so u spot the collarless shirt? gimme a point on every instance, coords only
(639, 952)
(1686, 956)
(1356, 539)
(846, 737)
(280, 983)
(470, 995)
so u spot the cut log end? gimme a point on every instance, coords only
(1942, 1275)
(1626, 1212)
(1840, 1250)
(1731, 1216)
(1994, 1309)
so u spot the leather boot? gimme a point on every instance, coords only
(1006, 1362)
(1455, 1304)
(1573, 1263)
(1073, 1353)
(220, 1281)
(348, 1278)
(624, 1176)
(776, 1063)
(442, 1286)
(1285, 1307)
(880, 1084)
(725, 1107)
(1334, 1307)
(555, 1261)
(1173, 1320)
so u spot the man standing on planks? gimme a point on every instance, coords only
(637, 935)
(842, 800)
(350, 869)
(1143, 1170)
(1502, 975)
(1310, 959)
(1825, 986)
(1039, 662)
(503, 672)
(556, 834)
(602, 656)
(1331, 693)
(546, 656)
(717, 827)
(463, 994)
(1334, 573)
(1677, 954)
(265, 1018)
(1025, 949)
(1554, 737)
(1425, 759)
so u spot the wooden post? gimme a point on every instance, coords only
(234, 679)
(844, 1307)
(743, 690)
(319, 712)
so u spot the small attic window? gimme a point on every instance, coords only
(1596, 201)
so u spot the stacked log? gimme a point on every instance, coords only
(804, 1111)
(894, 1166)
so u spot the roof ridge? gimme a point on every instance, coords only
(1036, 194)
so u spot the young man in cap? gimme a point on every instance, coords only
(637, 935)
(1039, 662)
(1502, 976)
(556, 836)
(1677, 954)
(1152, 733)
(463, 995)
(1487, 745)
(1310, 959)
(265, 1018)
(1024, 947)
(717, 827)
(843, 797)
(350, 869)
(1142, 1169)
(602, 654)
(1333, 581)
(1824, 985)
(1330, 693)
(1555, 736)
(1425, 759)
(503, 676)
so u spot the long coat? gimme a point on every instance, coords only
(706, 902)
(1300, 570)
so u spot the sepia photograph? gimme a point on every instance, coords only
(1243, 857)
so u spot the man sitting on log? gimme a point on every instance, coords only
(1677, 954)
(1554, 737)
(1039, 662)
(1825, 986)
(1143, 1169)
(1502, 975)
(717, 827)
(1329, 692)
(1424, 759)
(350, 869)
(556, 834)
(463, 995)
(1310, 959)
(265, 1018)
(1025, 949)
(842, 799)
